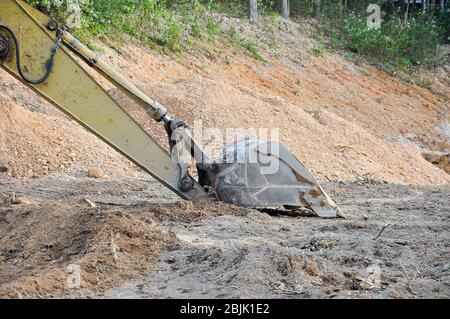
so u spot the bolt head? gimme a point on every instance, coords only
(186, 184)
(52, 25)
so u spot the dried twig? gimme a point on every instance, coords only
(89, 242)
(12, 198)
(91, 203)
(418, 272)
(113, 248)
(99, 233)
(407, 278)
(381, 231)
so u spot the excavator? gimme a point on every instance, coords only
(43, 55)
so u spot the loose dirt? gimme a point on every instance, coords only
(42, 240)
(260, 256)
(186, 250)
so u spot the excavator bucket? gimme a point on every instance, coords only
(265, 175)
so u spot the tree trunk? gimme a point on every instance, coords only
(407, 11)
(403, 6)
(285, 9)
(344, 4)
(253, 10)
(316, 8)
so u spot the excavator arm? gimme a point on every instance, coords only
(70, 88)
(35, 50)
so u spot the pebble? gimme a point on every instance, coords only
(22, 201)
(95, 173)
(299, 289)
(446, 267)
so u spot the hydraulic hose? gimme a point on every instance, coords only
(48, 65)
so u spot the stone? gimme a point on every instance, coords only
(95, 173)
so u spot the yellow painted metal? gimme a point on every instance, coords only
(153, 108)
(74, 91)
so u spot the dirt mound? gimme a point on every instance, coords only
(340, 120)
(324, 141)
(24, 136)
(35, 142)
(42, 244)
(345, 122)
(329, 112)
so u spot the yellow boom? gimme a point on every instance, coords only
(75, 92)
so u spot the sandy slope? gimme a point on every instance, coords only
(345, 122)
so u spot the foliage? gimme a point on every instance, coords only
(402, 40)
(166, 23)
(407, 35)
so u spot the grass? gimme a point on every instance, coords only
(318, 49)
(177, 25)
(167, 25)
(251, 47)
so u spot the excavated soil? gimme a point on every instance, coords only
(212, 250)
(329, 113)
(381, 146)
(42, 236)
(383, 250)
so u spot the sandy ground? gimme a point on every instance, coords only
(258, 255)
(185, 250)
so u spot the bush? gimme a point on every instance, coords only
(401, 41)
(174, 24)
(157, 21)
(398, 42)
